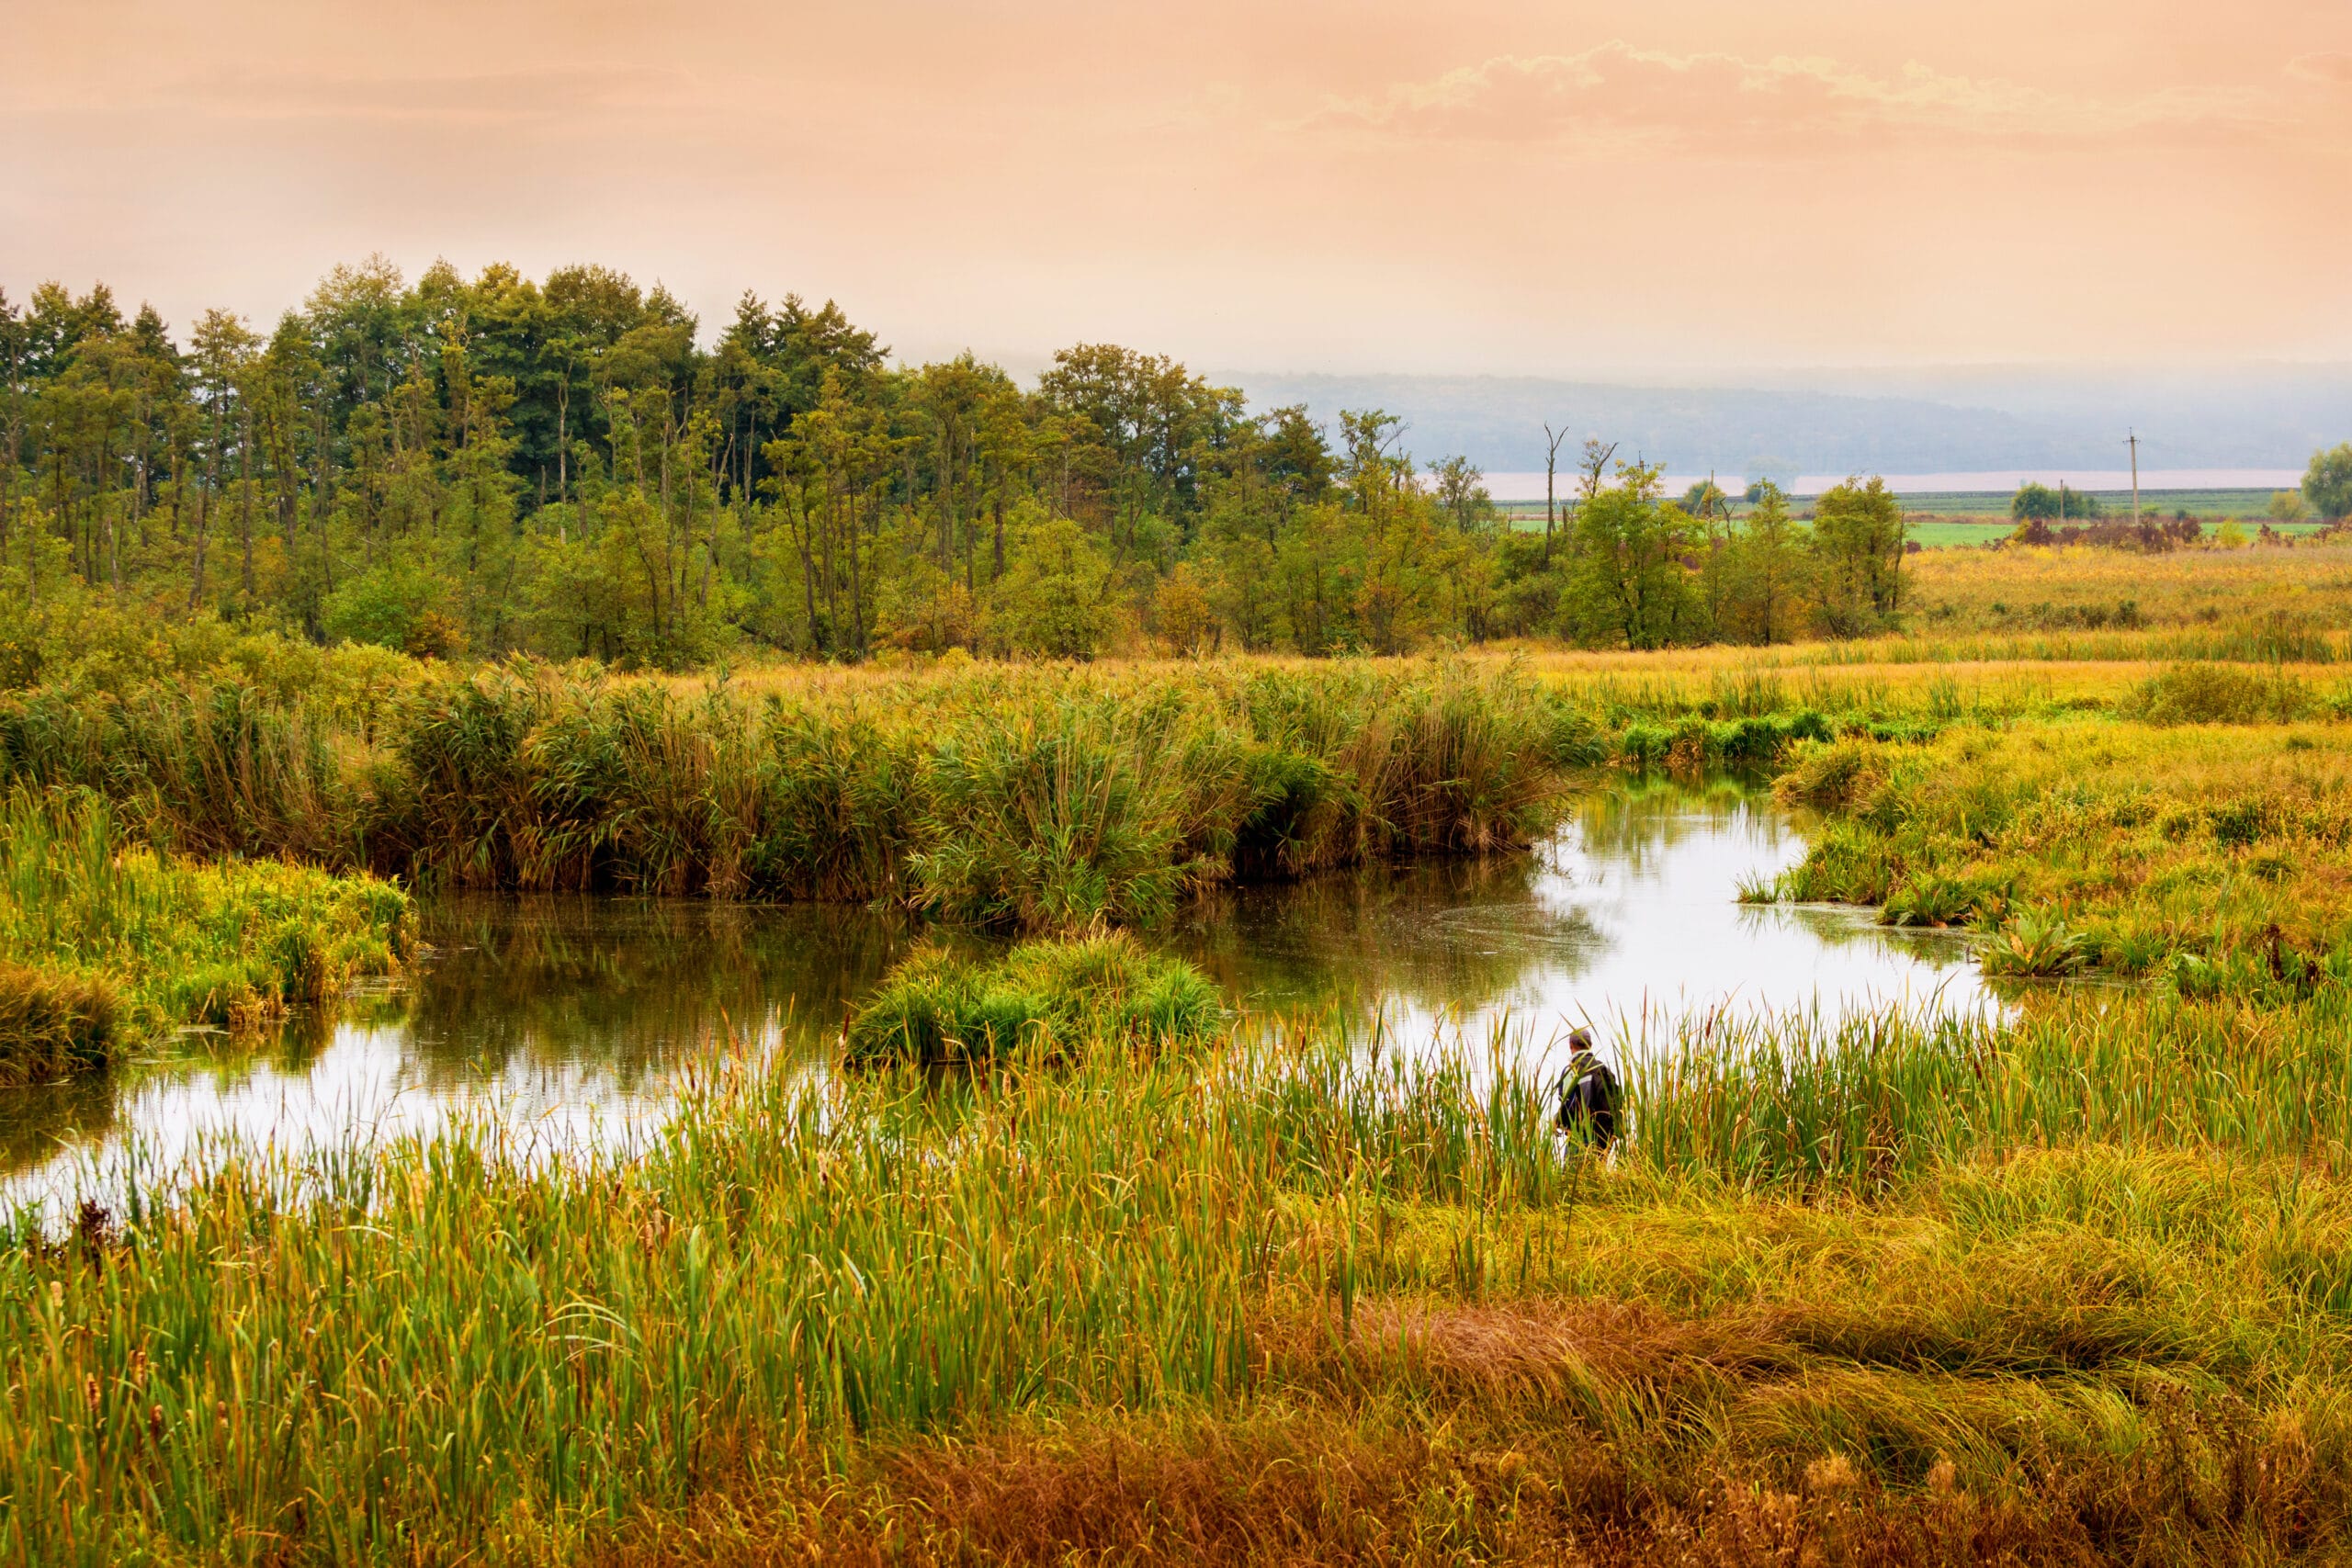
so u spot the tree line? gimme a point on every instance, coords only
(562, 467)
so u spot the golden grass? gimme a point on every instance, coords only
(2181, 848)
(1981, 590)
(2014, 1364)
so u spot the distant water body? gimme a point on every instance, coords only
(1996, 481)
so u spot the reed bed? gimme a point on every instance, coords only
(333, 1355)
(2085, 1309)
(110, 942)
(1032, 797)
(1873, 1103)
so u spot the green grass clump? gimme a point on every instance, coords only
(1055, 997)
(112, 940)
(2219, 694)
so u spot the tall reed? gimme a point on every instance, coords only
(1873, 1101)
(321, 1356)
(1031, 797)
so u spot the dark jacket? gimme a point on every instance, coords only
(1588, 1100)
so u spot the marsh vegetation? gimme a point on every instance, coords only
(1169, 1274)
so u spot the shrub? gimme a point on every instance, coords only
(395, 604)
(940, 1006)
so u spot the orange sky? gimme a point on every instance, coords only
(1478, 186)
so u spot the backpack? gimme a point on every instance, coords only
(1589, 1098)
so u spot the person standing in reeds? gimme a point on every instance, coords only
(1590, 1097)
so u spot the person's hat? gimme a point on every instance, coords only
(1580, 1040)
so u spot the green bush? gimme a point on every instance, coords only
(390, 605)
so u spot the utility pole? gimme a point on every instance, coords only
(2132, 441)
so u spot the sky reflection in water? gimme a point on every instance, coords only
(1629, 922)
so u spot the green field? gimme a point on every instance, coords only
(1947, 518)
(2209, 505)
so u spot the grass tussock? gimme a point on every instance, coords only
(54, 1023)
(112, 940)
(1048, 998)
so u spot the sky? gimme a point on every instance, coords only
(1678, 188)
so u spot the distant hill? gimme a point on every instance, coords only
(1857, 421)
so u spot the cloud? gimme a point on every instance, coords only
(1616, 95)
(2328, 70)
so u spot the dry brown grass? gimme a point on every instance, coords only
(1443, 1433)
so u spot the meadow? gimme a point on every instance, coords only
(1158, 1282)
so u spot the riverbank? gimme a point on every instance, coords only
(1286, 1300)
(110, 943)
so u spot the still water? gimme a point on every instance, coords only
(571, 1017)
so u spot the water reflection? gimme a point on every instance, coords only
(572, 1016)
(1629, 920)
(627, 987)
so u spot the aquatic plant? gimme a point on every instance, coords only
(2035, 946)
(1935, 901)
(1050, 998)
